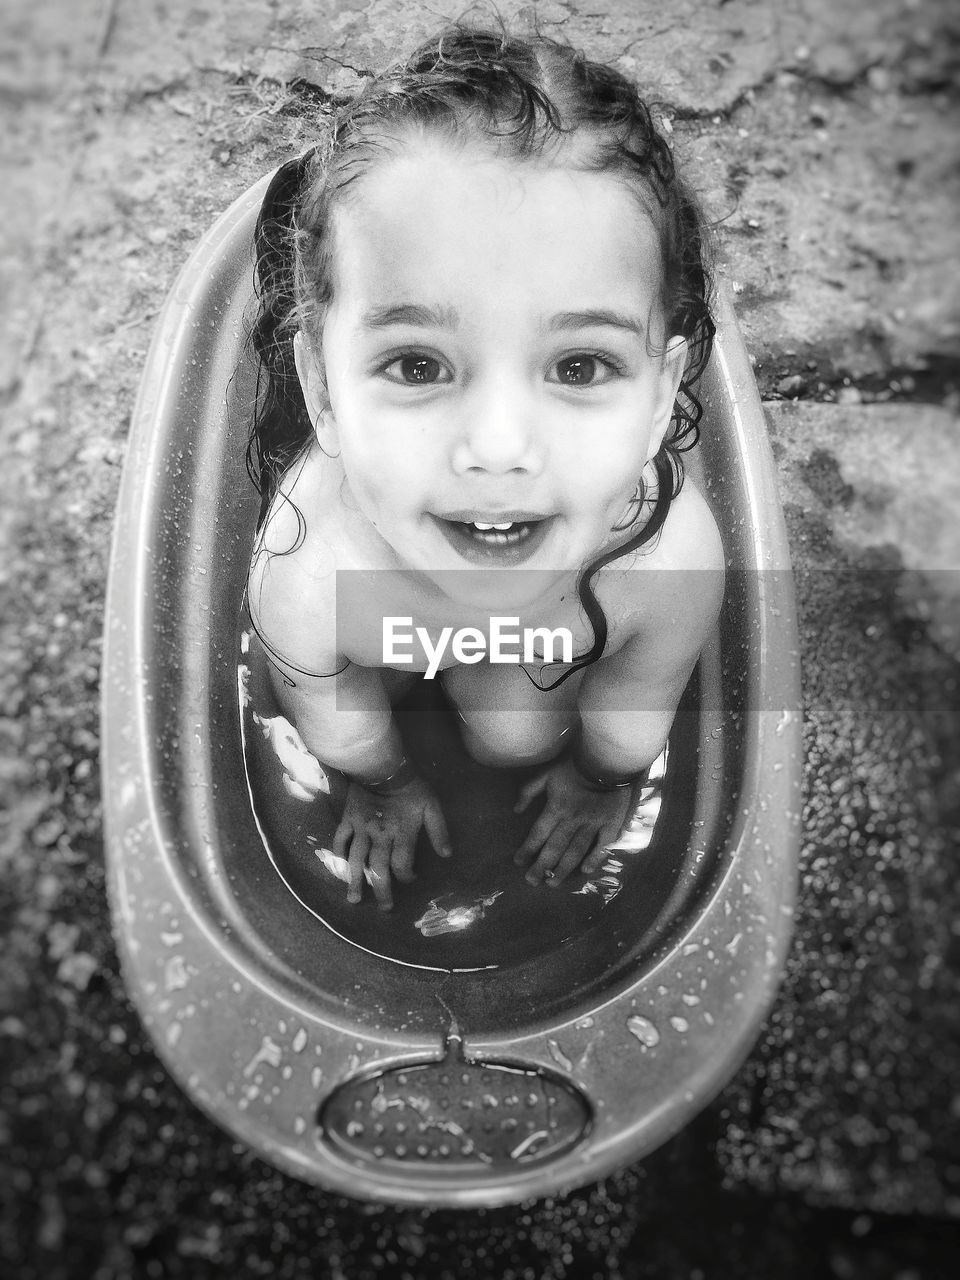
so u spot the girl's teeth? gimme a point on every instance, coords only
(499, 535)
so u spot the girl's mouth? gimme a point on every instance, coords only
(505, 541)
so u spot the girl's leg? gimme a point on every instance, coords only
(507, 720)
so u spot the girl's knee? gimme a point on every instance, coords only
(505, 743)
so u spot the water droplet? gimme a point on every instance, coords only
(268, 1052)
(559, 1057)
(786, 718)
(175, 974)
(644, 1030)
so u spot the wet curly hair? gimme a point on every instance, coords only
(527, 99)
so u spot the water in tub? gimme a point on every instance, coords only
(469, 912)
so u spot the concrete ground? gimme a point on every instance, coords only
(823, 137)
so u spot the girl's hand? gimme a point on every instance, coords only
(377, 836)
(576, 825)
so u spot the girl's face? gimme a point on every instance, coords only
(486, 374)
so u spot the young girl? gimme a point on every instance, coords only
(484, 309)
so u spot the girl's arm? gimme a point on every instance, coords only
(341, 710)
(344, 717)
(627, 702)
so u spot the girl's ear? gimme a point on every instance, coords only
(314, 388)
(672, 365)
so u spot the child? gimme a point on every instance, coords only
(483, 311)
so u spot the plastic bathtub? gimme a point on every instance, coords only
(411, 1058)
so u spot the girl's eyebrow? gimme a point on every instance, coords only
(595, 318)
(442, 317)
(411, 313)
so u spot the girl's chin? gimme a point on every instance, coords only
(495, 590)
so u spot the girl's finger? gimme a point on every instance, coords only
(600, 851)
(355, 865)
(580, 845)
(541, 832)
(341, 839)
(435, 825)
(550, 855)
(378, 873)
(531, 788)
(594, 862)
(401, 860)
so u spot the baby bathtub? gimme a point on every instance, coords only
(420, 1065)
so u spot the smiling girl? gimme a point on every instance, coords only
(483, 312)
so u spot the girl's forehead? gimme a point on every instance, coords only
(463, 219)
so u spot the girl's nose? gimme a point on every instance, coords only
(498, 435)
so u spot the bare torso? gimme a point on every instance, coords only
(323, 603)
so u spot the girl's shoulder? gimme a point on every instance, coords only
(675, 583)
(690, 538)
(291, 584)
(285, 528)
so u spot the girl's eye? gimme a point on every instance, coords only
(415, 370)
(583, 370)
